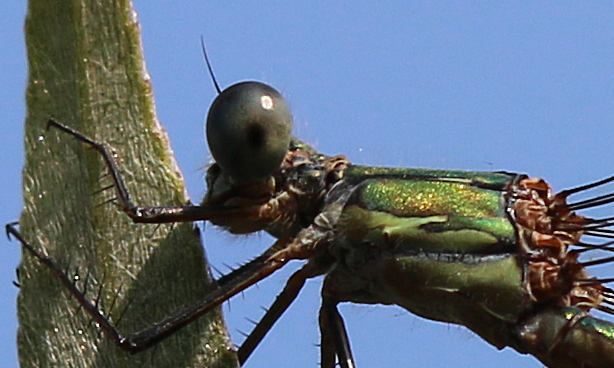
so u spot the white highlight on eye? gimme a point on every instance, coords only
(266, 102)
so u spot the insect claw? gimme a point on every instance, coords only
(9, 228)
(16, 282)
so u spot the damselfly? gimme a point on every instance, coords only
(496, 252)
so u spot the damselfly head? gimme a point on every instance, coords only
(248, 131)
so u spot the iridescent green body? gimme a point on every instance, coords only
(438, 243)
(444, 245)
(432, 210)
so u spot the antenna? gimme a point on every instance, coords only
(217, 86)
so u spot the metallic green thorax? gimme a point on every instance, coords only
(430, 210)
(439, 243)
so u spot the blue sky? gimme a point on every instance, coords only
(516, 86)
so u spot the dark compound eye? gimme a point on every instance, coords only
(248, 131)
